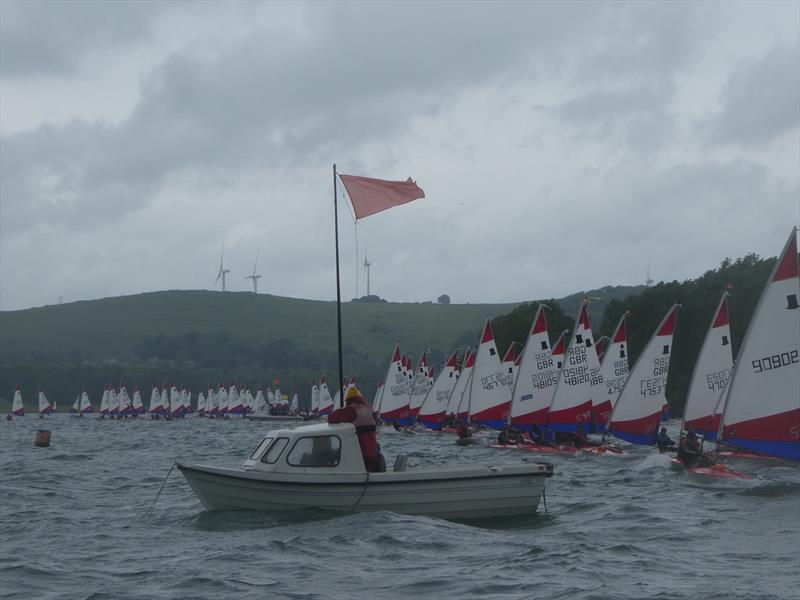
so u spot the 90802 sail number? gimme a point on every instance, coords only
(776, 361)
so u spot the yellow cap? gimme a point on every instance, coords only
(353, 394)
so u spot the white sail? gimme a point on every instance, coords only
(314, 408)
(325, 400)
(44, 404)
(510, 365)
(536, 379)
(212, 405)
(125, 407)
(86, 404)
(396, 398)
(138, 407)
(711, 373)
(419, 386)
(489, 393)
(614, 369)
(762, 413)
(458, 393)
(113, 401)
(104, 401)
(636, 416)
(376, 402)
(580, 384)
(222, 400)
(432, 412)
(155, 401)
(76, 406)
(294, 406)
(17, 407)
(201, 403)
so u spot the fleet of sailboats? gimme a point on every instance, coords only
(569, 388)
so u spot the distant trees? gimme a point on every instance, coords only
(443, 299)
(371, 298)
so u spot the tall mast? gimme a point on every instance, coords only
(338, 291)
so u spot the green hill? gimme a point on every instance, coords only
(198, 337)
(111, 328)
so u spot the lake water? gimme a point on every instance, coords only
(74, 524)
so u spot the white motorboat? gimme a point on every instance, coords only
(320, 466)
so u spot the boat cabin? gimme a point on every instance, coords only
(312, 449)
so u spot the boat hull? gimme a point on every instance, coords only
(461, 492)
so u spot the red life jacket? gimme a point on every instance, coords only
(365, 420)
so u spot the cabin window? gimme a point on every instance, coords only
(271, 455)
(261, 447)
(318, 451)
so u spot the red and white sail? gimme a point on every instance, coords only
(125, 405)
(459, 399)
(711, 373)
(489, 392)
(45, 408)
(325, 400)
(510, 364)
(104, 401)
(86, 404)
(537, 377)
(637, 414)
(420, 385)
(580, 384)
(614, 370)
(396, 397)
(433, 409)
(75, 408)
(138, 406)
(762, 413)
(113, 401)
(17, 407)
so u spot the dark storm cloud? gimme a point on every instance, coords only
(356, 73)
(52, 37)
(761, 100)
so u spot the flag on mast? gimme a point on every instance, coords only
(370, 196)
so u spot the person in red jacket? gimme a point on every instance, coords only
(359, 413)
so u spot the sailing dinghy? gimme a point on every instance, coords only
(432, 411)
(537, 377)
(711, 373)
(762, 412)
(489, 391)
(17, 407)
(614, 370)
(396, 399)
(86, 404)
(45, 407)
(637, 414)
(580, 383)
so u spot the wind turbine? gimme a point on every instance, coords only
(222, 272)
(255, 277)
(367, 265)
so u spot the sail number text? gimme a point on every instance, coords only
(776, 361)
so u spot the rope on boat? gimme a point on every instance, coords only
(163, 483)
(366, 483)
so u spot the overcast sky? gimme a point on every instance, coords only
(560, 146)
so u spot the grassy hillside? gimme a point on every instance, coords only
(97, 330)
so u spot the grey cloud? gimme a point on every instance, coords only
(52, 37)
(761, 100)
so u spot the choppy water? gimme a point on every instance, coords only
(74, 524)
